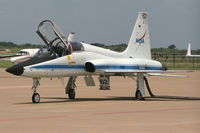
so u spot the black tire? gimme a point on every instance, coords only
(138, 95)
(36, 98)
(71, 94)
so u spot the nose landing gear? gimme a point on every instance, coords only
(36, 96)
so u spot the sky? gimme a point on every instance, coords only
(103, 21)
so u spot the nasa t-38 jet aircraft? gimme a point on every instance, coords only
(66, 58)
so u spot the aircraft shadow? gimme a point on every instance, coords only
(155, 98)
(178, 97)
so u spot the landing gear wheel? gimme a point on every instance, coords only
(71, 94)
(36, 98)
(138, 95)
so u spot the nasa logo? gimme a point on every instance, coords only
(140, 40)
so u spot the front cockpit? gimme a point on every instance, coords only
(55, 40)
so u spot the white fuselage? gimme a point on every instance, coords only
(103, 59)
(92, 60)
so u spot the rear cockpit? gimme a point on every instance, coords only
(77, 46)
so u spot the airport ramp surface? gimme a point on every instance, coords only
(176, 107)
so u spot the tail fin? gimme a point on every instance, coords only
(189, 50)
(139, 43)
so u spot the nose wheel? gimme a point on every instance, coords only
(36, 98)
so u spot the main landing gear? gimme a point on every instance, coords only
(140, 91)
(70, 88)
(36, 96)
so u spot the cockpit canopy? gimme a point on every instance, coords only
(49, 32)
(76, 46)
(55, 40)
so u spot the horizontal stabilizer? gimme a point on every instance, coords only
(166, 75)
(143, 71)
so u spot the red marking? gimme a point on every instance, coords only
(70, 48)
(142, 36)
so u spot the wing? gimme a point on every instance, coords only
(148, 72)
(166, 75)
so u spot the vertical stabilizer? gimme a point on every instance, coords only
(189, 50)
(139, 43)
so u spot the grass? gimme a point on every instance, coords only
(5, 64)
(181, 62)
(12, 51)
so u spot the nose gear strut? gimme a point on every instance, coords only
(36, 96)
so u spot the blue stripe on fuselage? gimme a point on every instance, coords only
(115, 67)
(59, 67)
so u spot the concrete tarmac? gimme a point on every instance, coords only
(176, 107)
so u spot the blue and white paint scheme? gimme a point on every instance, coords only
(136, 58)
(76, 63)
(82, 59)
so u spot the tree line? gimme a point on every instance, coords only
(171, 49)
(14, 45)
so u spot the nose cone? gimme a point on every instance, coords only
(16, 70)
